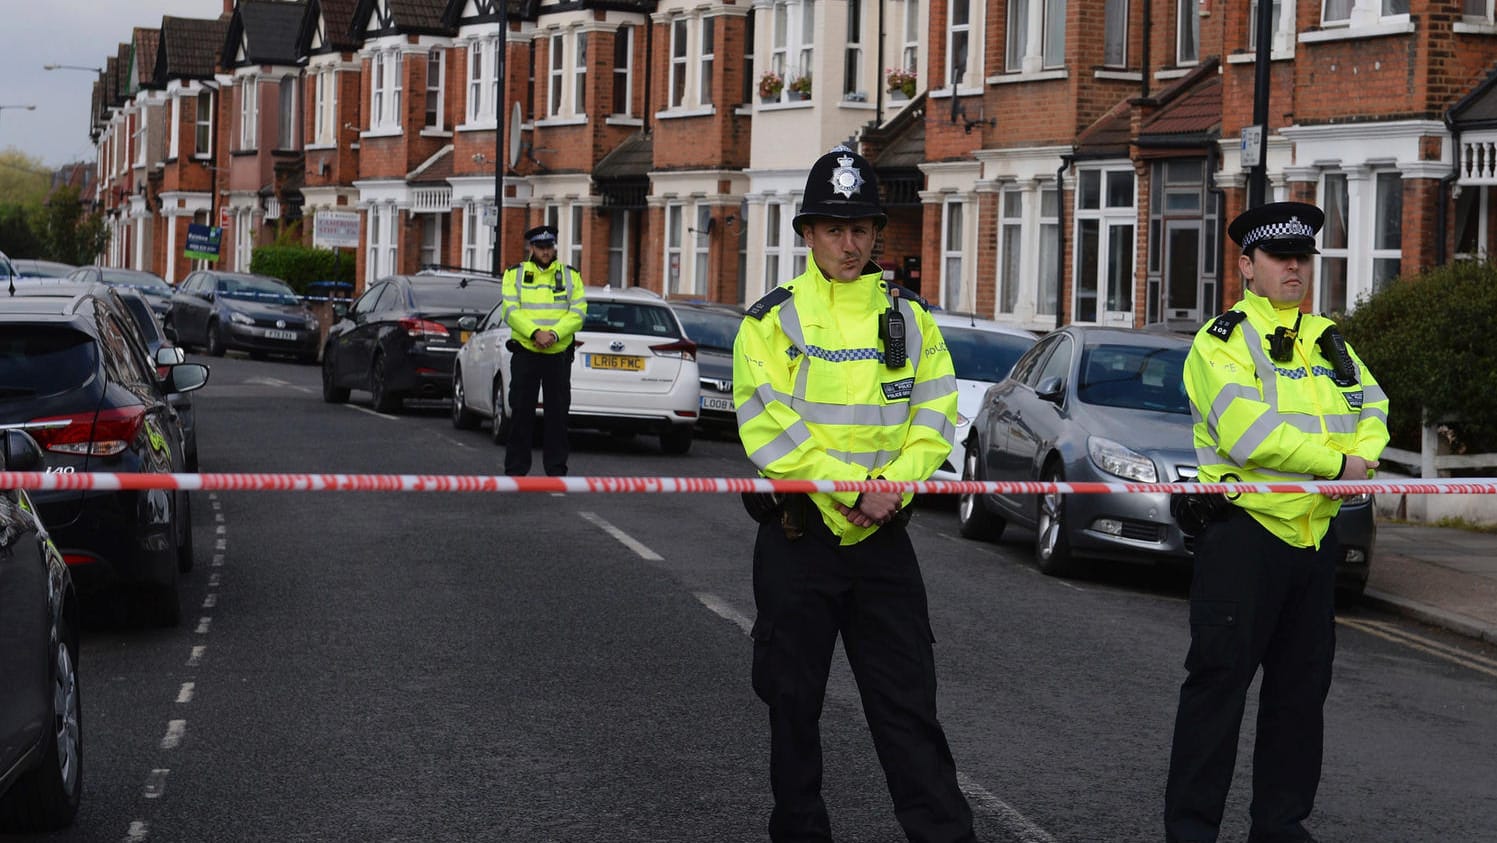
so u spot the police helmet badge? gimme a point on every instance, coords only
(846, 179)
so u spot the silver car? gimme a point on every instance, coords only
(1108, 405)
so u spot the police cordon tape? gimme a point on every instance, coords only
(263, 482)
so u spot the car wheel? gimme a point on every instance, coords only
(216, 346)
(462, 417)
(385, 401)
(184, 544)
(676, 439)
(501, 416)
(331, 392)
(974, 518)
(1052, 541)
(46, 798)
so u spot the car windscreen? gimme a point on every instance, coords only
(983, 355)
(1134, 377)
(710, 329)
(627, 317)
(256, 289)
(450, 295)
(143, 281)
(41, 360)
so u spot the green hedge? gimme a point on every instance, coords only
(1431, 342)
(301, 265)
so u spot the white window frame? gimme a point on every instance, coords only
(288, 114)
(623, 74)
(142, 136)
(1010, 247)
(1362, 13)
(954, 286)
(701, 250)
(785, 252)
(1187, 22)
(619, 238)
(557, 87)
(1362, 253)
(706, 57)
(325, 106)
(384, 90)
(431, 240)
(790, 35)
(852, 52)
(574, 235)
(244, 240)
(1107, 217)
(680, 58)
(479, 109)
(1048, 275)
(1283, 35)
(910, 51)
(579, 73)
(1115, 32)
(1477, 12)
(249, 112)
(174, 128)
(963, 30)
(202, 129)
(675, 236)
(471, 235)
(1036, 36)
(435, 90)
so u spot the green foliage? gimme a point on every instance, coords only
(16, 237)
(1428, 341)
(68, 234)
(23, 180)
(301, 265)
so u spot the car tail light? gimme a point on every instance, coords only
(103, 435)
(684, 349)
(76, 558)
(424, 328)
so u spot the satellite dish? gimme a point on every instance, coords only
(514, 136)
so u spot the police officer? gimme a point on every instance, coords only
(544, 306)
(840, 376)
(1277, 395)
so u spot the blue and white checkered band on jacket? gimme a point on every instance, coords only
(1277, 230)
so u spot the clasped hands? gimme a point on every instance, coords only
(872, 508)
(544, 339)
(1356, 468)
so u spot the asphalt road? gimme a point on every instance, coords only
(466, 667)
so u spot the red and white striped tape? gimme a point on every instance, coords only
(87, 481)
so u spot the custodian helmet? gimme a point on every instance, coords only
(842, 185)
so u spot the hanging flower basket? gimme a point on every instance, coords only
(770, 86)
(901, 82)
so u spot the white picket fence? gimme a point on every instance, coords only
(1476, 509)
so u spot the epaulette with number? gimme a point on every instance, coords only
(1223, 325)
(907, 293)
(771, 298)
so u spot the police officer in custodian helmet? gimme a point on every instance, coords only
(840, 376)
(1276, 395)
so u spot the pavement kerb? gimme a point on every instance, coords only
(1431, 615)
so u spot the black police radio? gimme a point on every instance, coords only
(1333, 348)
(891, 331)
(1281, 342)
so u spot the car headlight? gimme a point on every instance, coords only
(1120, 461)
(239, 318)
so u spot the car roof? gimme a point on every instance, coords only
(1099, 335)
(946, 319)
(643, 295)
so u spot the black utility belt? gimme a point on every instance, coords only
(1193, 511)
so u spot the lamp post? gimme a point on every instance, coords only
(501, 157)
(72, 67)
(27, 107)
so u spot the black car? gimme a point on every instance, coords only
(157, 292)
(76, 375)
(218, 311)
(400, 338)
(150, 330)
(713, 327)
(41, 737)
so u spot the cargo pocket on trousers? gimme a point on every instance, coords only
(763, 672)
(1215, 634)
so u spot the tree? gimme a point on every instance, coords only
(23, 180)
(67, 232)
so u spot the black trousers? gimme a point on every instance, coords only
(807, 592)
(530, 375)
(1253, 601)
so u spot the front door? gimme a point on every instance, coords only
(1182, 270)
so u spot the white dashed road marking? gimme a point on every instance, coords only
(197, 656)
(175, 729)
(138, 832)
(184, 695)
(371, 412)
(721, 607)
(155, 784)
(624, 538)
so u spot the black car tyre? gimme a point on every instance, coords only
(974, 519)
(184, 544)
(1052, 541)
(216, 346)
(331, 392)
(676, 439)
(501, 417)
(462, 417)
(46, 797)
(385, 401)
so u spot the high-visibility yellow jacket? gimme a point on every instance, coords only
(550, 299)
(1264, 421)
(815, 400)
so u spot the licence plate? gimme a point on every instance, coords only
(462, 336)
(617, 362)
(279, 335)
(724, 404)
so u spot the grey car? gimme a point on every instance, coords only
(1108, 405)
(233, 310)
(713, 327)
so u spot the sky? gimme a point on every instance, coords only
(86, 33)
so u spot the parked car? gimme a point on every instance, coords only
(157, 292)
(219, 311)
(1092, 404)
(713, 327)
(7, 269)
(41, 732)
(399, 338)
(30, 268)
(982, 353)
(150, 330)
(634, 371)
(75, 374)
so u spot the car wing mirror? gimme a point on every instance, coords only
(21, 453)
(185, 378)
(170, 355)
(1051, 389)
(467, 323)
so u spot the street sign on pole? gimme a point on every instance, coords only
(1252, 141)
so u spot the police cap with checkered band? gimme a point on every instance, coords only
(841, 185)
(1278, 228)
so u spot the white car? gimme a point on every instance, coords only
(634, 371)
(982, 352)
